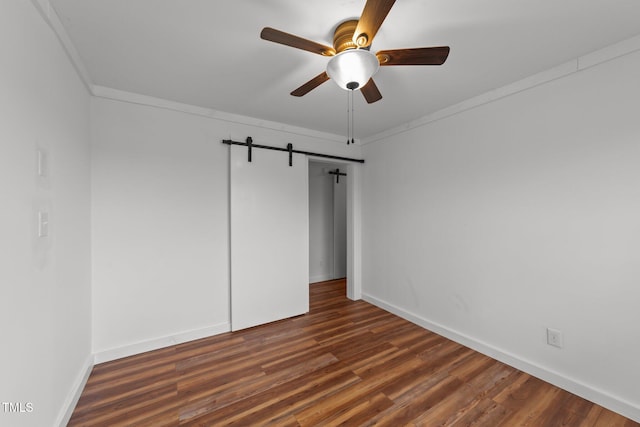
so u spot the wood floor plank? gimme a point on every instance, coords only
(534, 401)
(122, 409)
(485, 413)
(105, 394)
(345, 408)
(269, 402)
(344, 363)
(356, 393)
(411, 406)
(243, 390)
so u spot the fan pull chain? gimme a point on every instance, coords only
(353, 131)
(348, 118)
(350, 132)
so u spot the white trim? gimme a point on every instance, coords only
(608, 53)
(600, 56)
(134, 98)
(354, 230)
(157, 343)
(577, 387)
(320, 278)
(76, 391)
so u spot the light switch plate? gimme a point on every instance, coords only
(43, 224)
(42, 163)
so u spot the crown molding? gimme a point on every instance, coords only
(134, 98)
(575, 65)
(51, 17)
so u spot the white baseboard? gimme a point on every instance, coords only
(156, 343)
(585, 391)
(324, 278)
(76, 390)
(320, 278)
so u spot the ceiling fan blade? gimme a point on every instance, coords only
(370, 92)
(287, 39)
(416, 56)
(370, 21)
(311, 84)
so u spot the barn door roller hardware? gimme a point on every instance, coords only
(338, 174)
(249, 145)
(288, 149)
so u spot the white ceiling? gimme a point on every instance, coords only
(209, 54)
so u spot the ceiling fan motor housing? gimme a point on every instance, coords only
(343, 36)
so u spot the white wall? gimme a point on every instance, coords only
(495, 223)
(45, 300)
(160, 222)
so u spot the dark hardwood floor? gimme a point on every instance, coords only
(344, 363)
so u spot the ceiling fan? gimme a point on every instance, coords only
(352, 65)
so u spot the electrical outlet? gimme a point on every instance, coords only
(554, 338)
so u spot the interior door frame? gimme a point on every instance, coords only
(354, 224)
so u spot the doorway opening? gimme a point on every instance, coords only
(327, 221)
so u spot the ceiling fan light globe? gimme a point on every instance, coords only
(352, 66)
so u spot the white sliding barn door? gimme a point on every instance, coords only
(269, 236)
